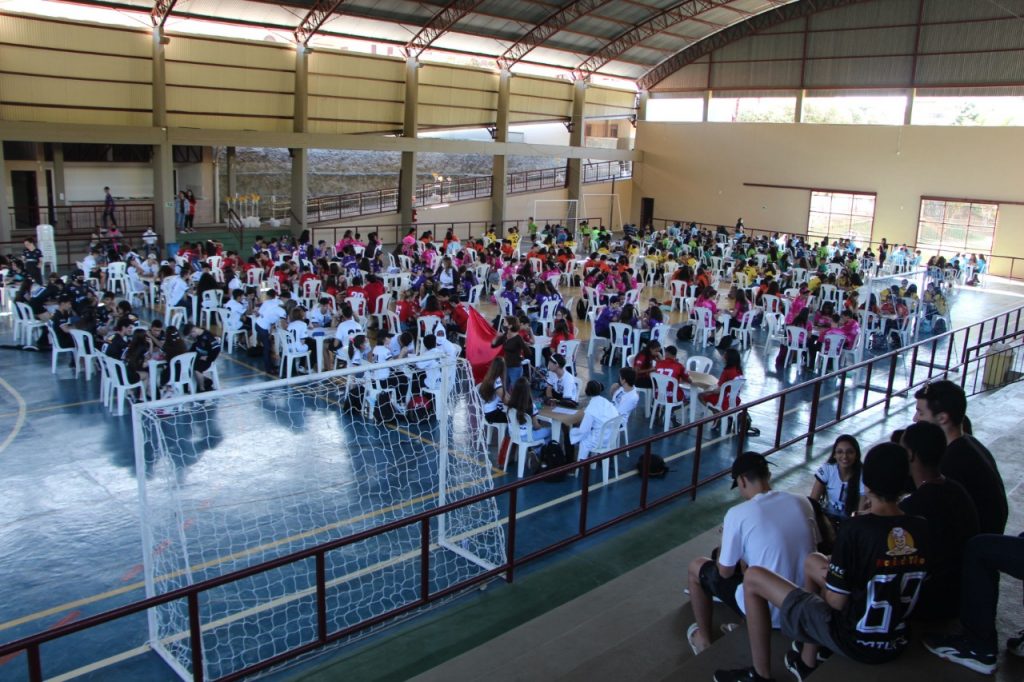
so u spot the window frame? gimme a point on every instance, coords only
(947, 250)
(828, 236)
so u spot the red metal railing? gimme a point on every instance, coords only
(972, 356)
(81, 219)
(373, 202)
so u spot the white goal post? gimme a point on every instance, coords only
(233, 478)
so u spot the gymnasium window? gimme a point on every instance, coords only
(951, 226)
(841, 215)
(688, 109)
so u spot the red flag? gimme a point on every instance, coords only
(479, 335)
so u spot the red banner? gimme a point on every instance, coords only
(479, 335)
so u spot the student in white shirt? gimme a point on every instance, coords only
(173, 287)
(624, 395)
(562, 386)
(771, 529)
(240, 308)
(401, 345)
(444, 344)
(267, 319)
(429, 367)
(321, 315)
(347, 329)
(599, 411)
(298, 332)
(380, 353)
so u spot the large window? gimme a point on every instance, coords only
(951, 226)
(841, 215)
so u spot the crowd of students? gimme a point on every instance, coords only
(913, 532)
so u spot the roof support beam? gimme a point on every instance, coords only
(668, 17)
(316, 17)
(551, 25)
(438, 25)
(161, 10)
(756, 23)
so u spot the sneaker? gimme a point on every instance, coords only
(824, 653)
(957, 649)
(1015, 645)
(740, 675)
(795, 664)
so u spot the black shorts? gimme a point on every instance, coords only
(724, 589)
(805, 617)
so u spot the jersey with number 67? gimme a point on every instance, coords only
(880, 563)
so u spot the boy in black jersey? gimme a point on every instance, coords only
(857, 602)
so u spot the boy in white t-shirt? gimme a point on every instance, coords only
(771, 529)
(624, 395)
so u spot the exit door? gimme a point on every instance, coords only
(26, 199)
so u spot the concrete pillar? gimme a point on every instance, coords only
(232, 173)
(163, 153)
(163, 191)
(499, 171)
(641, 105)
(5, 208)
(707, 105)
(908, 112)
(300, 157)
(60, 197)
(574, 176)
(407, 177)
(798, 113)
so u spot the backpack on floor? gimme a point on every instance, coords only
(552, 456)
(581, 309)
(685, 333)
(658, 466)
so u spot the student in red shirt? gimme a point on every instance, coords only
(733, 369)
(407, 310)
(644, 363)
(373, 290)
(670, 366)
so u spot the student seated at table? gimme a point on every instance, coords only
(624, 394)
(521, 400)
(644, 363)
(598, 412)
(206, 346)
(492, 392)
(562, 386)
(733, 369)
(671, 367)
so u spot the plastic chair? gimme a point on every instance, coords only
(85, 352)
(728, 398)
(231, 327)
(705, 328)
(743, 332)
(796, 344)
(831, 353)
(499, 430)
(428, 324)
(622, 341)
(678, 294)
(254, 277)
(292, 350)
(666, 397)
(119, 386)
(475, 292)
(568, 350)
(182, 373)
(522, 445)
(311, 288)
(56, 350)
(212, 299)
(380, 309)
(608, 439)
(358, 305)
(698, 363)
(592, 315)
(175, 316)
(25, 323)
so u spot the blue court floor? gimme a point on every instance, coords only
(70, 519)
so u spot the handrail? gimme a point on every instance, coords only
(370, 202)
(31, 644)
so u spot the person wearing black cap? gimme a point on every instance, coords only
(857, 602)
(772, 529)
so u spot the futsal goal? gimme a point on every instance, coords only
(233, 478)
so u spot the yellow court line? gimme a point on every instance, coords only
(20, 422)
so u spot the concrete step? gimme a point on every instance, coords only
(726, 653)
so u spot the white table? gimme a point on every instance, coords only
(699, 382)
(154, 378)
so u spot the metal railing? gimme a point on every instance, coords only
(80, 219)
(942, 355)
(373, 202)
(1011, 267)
(72, 249)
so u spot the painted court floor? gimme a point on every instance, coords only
(69, 522)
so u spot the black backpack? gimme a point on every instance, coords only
(658, 466)
(551, 457)
(581, 310)
(685, 333)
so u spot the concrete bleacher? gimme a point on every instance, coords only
(634, 626)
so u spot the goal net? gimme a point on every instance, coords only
(233, 478)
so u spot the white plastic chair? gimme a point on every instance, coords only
(728, 398)
(622, 341)
(568, 349)
(425, 326)
(666, 397)
(522, 445)
(85, 352)
(292, 350)
(796, 344)
(119, 386)
(499, 429)
(645, 393)
(56, 350)
(380, 309)
(358, 305)
(175, 316)
(705, 326)
(25, 323)
(743, 332)
(311, 288)
(474, 294)
(698, 363)
(678, 294)
(831, 353)
(608, 439)
(182, 373)
(231, 328)
(254, 277)
(592, 315)
(212, 300)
